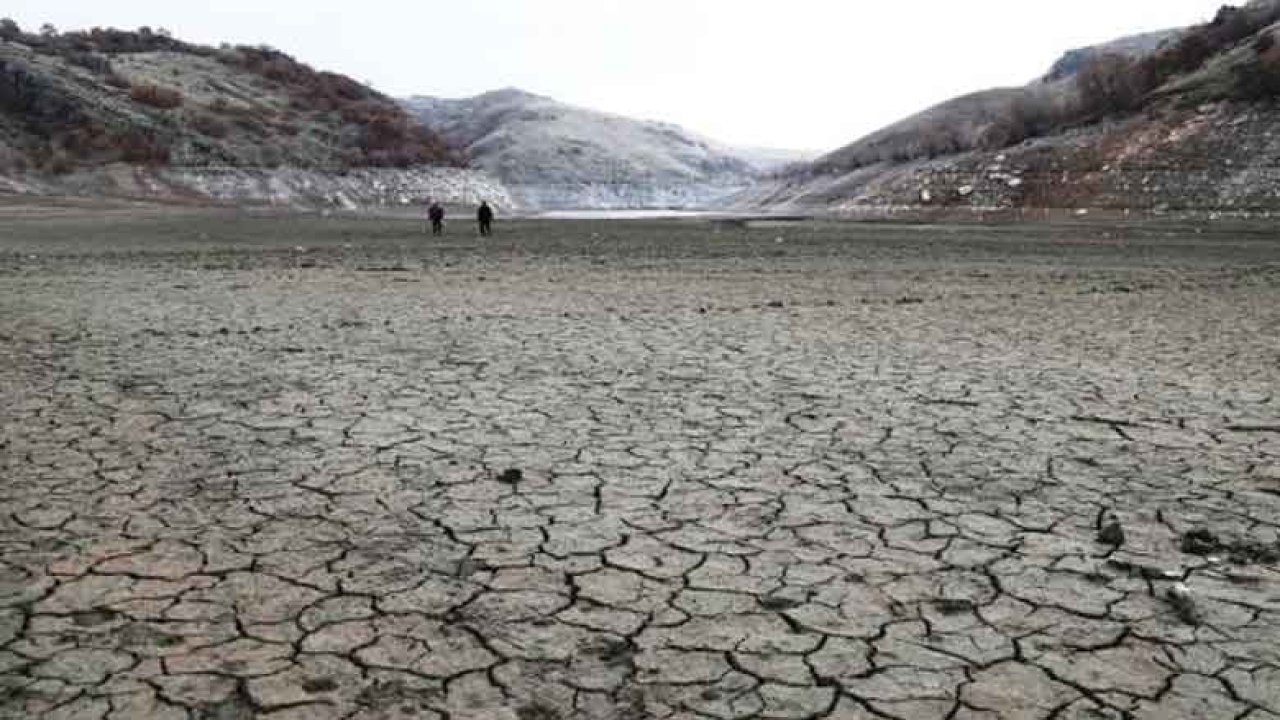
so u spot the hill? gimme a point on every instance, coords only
(141, 112)
(1179, 119)
(555, 155)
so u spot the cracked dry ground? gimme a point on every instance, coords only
(858, 473)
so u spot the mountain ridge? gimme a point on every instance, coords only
(560, 156)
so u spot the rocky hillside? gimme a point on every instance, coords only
(139, 112)
(1185, 119)
(555, 156)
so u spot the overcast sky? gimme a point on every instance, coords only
(810, 74)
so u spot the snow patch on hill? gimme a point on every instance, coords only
(557, 156)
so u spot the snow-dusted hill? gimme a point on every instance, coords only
(556, 156)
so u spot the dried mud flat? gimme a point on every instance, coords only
(309, 468)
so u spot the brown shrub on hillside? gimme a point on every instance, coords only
(12, 160)
(58, 162)
(1233, 24)
(91, 61)
(209, 125)
(1184, 56)
(249, 124)
(1229, 27)
(1264, 43)
(1030, 116)
(87, 139)
(1259, 78)
(9, 30)
(1111, 84)
(156, 96)
(141, 148)
(91, 141)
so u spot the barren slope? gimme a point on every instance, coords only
(558, 155)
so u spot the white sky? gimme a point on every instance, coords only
(808, 74)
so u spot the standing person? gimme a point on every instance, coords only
(485, 216)
(436, 213)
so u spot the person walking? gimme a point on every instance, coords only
(485, 217)
(436, 214)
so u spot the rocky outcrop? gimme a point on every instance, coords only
(362, 189)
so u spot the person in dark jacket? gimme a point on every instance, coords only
(436, 215)
(485, 216)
